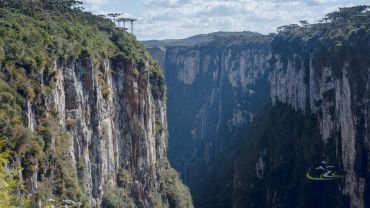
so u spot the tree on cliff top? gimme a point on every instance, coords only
(348, 16)
(33, 6)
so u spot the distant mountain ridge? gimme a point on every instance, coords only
(197, 39)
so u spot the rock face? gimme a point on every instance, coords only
(82, 113)
(214, 91)
(114, 114)
(214, 95)
(109, 113)
(341, 104)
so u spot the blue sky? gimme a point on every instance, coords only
(165, 19)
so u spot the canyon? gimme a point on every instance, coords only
(250, 114)
(91, 117)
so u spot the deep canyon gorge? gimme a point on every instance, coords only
(91, 117)
(229, 92)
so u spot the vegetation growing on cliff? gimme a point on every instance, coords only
(34, 35)
(342, 37)
(117, 198)
(174, 193)
(10, 182)
(256, 41)
(35, 152)
(16, 141)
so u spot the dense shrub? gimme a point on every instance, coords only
(124, 179)
(174, 193)
(9, 181)
(117, 198)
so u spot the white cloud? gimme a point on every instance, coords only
(95, 2)
(182, 18)
(163, 19)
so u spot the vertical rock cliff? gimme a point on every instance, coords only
(330, 78)
(89, 126)
(214, 91)
(110, 131)
(340, 104)
(246, 152)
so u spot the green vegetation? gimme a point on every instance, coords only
(17, 143)
(34, 35)
(159, 125)
(255, 41)
(129, 48)
(10, 183)
(10, 110)
(339, 39)
(32, 151)
(117, 198)
(157, 81)
(36, 42)
(31, 40)
(65, 185)
(174, 193)
(124, 179)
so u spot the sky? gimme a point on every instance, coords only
(176, 19)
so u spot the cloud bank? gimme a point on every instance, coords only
(164, 19)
